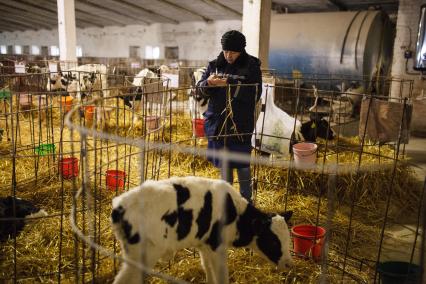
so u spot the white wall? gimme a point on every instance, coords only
(40, 37)
(196, 40)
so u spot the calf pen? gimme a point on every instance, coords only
(357, 191)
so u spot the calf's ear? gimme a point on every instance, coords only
(286, 214)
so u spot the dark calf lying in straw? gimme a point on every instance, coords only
(11, 224)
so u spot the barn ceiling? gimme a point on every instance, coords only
(20, 15)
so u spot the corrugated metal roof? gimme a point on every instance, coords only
(42, 14)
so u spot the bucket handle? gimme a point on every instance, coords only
(314, 243)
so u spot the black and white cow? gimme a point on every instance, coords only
(160, 217)
(24, 210)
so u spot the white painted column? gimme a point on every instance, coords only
(67, 30)
(256, 28)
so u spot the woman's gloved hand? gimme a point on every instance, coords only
(214, 80)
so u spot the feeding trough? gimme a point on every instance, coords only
(68, 167)
(115, 179)
(45, 149)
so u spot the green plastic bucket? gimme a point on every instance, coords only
(4, 94)
(45, 149)
(398, 272)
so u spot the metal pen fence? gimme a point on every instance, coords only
(356, 190)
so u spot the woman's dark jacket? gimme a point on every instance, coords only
(245, 70)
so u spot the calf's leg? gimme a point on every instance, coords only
(207, 265)
(145, 255)
(219, 265)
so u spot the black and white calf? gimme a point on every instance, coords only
(24, 210)
(198, 99)
(58, 82)
(132, 95)
(81, 81)
(160, 217)
(316, 127)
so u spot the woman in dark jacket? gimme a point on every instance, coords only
(233, 84)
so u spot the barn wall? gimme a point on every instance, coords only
(406, 33)
(196, 40)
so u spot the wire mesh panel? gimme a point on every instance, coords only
(348, 193)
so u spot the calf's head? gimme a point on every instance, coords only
(56, 82)
(273, 239)
(317, 127)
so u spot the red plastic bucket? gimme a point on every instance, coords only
(115, 179)
(305, 154)
(68, 167)
(88, 112)
(198, 127)
(66, 103)
(308, 240)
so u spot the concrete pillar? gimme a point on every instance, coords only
(67, 30)
(256, 28)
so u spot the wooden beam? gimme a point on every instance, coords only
(83, 22)
(339, 4)
(29, 8)
(9, 28)
(105, 20)
(26, 17)
(222, 6)
(31, 22)
(176, 6)
(12, 21)
(51, 6)
(91, 5)
(152, 14)
(45, 5)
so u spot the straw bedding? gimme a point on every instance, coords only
(39, 246)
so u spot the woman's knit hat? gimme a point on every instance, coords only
(233, 41)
